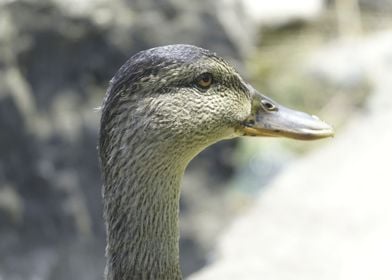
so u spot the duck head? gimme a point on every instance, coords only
(189, 97)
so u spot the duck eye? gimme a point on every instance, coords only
(268, 105)
(204, 81)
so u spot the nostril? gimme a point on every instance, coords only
(268, 105)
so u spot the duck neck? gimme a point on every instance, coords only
(141, 207)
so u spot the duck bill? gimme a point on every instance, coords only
(271, 119)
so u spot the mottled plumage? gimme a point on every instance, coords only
(156, 117)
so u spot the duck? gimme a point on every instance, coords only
(163, 107)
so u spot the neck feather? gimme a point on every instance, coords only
(141, 206)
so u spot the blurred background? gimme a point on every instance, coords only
(330, 58)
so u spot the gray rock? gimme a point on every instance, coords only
(352, 62)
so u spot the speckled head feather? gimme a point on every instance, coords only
(157, 89)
